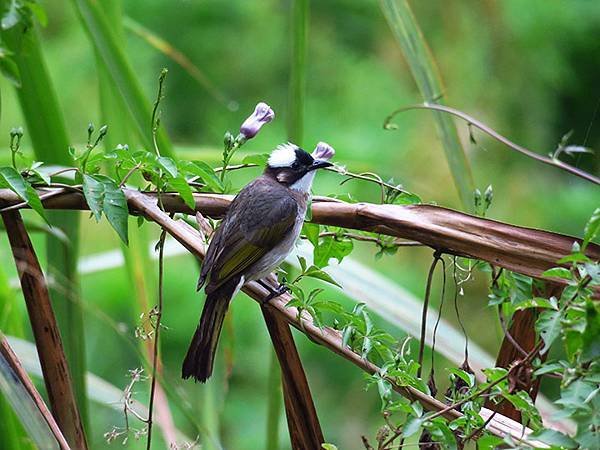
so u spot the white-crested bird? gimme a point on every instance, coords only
(257, 233)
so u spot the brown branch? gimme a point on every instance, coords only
(523, 250)
(16, 367)
(491, 132)
(46, 333)
(332, 339)
(303, 422)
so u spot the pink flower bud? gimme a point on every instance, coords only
(323, 151)
(262, 114)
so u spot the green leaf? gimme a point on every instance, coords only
(327, 446)
(184, 189)
(331, 247)
(558, 272)
(407, 198)
(115, 207)
(206, 173)
(315, 272)
(591, 229)
(13, 180)
(412, 425)
(258, 159)
(93, 190)
(168, 165)
(311, 231)
(548, 325)
(537, 302)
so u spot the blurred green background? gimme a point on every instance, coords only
(528, 69)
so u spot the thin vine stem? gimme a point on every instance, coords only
(494, 134)
(161, 251)
(436, 259)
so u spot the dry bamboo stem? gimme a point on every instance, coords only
(46, 333)
(523, 250)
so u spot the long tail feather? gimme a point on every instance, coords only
(200, 357)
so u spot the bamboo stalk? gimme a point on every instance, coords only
(524, 250)
(303, 422)
(46, 333)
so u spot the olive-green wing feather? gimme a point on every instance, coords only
(259, 218)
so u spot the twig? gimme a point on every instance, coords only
(491, 132)
(128, 174)
(363, 238)
(161, 250)
(155, 119)
(436, 258)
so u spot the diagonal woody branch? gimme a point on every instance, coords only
(332, 339)
(524, 250)
(46, 333)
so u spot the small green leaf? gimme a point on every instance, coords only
(115, 207)
(537, 302)
(558, 272)
(548, 325)
(93, 190)
(311, 231)
(184, 189)
(168, 165)
(14, 181)
(315, 272)
(591, 229)
(331, 247)
(258, 159)
(412, 425)
(328, 447)
(204, 171)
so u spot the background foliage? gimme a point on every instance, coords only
(527, 70)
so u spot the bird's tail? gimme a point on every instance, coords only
(198, 362)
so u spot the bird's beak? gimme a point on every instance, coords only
(319, 164)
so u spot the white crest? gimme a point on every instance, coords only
(283, 156)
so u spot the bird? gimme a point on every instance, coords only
(257, 233)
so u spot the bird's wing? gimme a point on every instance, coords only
(259, 218)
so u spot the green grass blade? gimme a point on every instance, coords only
(406, 30)
(297, 87)
(113, 108)
(45, 127)
(16, 397)
(107, 45)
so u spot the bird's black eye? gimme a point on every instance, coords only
(295, 165)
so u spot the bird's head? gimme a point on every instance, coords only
(294, 167)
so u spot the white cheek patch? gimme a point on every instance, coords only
(283, 156)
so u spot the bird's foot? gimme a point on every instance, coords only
(273, 292)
